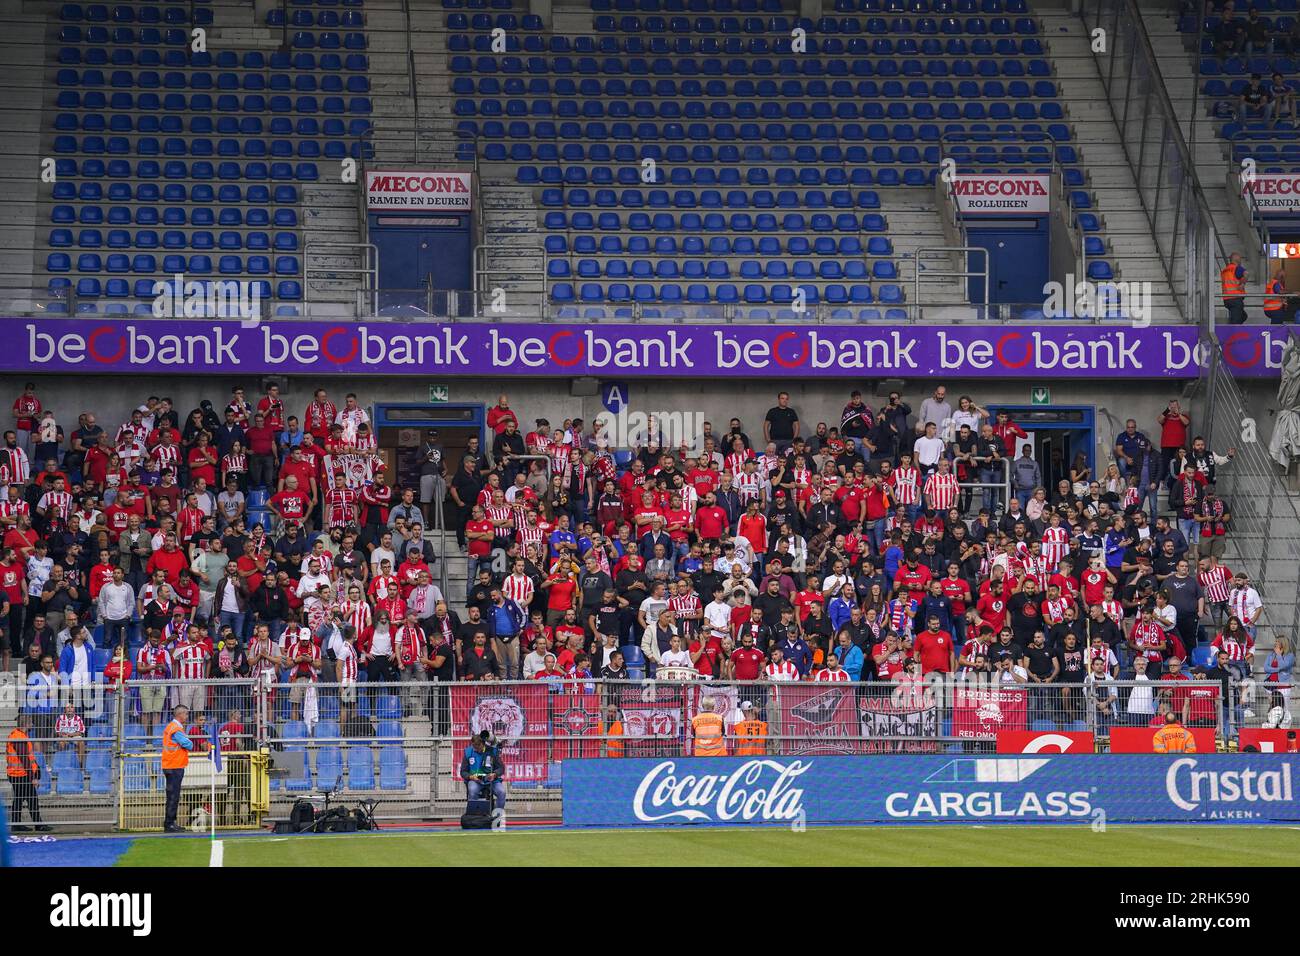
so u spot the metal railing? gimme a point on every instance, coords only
(397, 745)
(1181, 223)
(1265, 526)
(365, 274)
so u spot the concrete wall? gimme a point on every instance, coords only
(113, 397)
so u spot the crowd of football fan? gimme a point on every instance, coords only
(884, 544)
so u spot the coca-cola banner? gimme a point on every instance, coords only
(288, 346)
(984, 712)
(818, 718)
(789, 791)
(510, 712)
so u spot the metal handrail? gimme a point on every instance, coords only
(368, 273)
(1198, 277)
(959, 274)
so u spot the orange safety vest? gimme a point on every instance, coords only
(16, 766)
(174, 756)
(1274, 288)
(1173, 739)
(614, 743)
(751, 738)
(1233, 287)
(709, 740)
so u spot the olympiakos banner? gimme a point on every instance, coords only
(1140, 740)
(982, 713)
(653, 718)
(423, 189)
(575, 724)
(1267, 740)
(196, 347)
(817, 719)
(511, 712)
(1003, 194)
(899, 715)
(1046, 742)
(358, 470)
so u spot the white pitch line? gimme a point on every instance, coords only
(218, 853)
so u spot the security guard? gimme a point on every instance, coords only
(1232, 277)
(709, 731)
(613, 733)
(1278, 306)
(751, 733)
(1173, 738)
(176, 747)
(23, 771)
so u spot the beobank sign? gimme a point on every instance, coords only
(388, 348)
(425, 190)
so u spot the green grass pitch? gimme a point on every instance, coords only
(817, 846)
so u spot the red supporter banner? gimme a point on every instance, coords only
(901, 714)
(575, 725)
(1267, 740)
(653, 719)
(1139, 740)
(985, 712)
(509, 712)
(817, 719)
(1046, 742)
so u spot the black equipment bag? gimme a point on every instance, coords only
(477, 815)
(303, 816)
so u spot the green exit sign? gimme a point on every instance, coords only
(1040, 396)
(439, 393)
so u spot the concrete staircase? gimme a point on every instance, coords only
(1127, 233)
(1210, 153)
(22, 50)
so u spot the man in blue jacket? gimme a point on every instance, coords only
(482, 769)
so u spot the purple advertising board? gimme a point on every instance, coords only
(538, 349)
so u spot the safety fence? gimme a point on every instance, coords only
(398, 747)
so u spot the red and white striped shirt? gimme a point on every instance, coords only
(1056, 544)
(409, 643)
(1236, 650)
(1148, 635)
(169, 456)
(234, 464)
(1038, 569)
(69, 725)
(191, 661)
(519, 588)
(1054, 611)
(781, 672)
(734, 462)
(1113, 610)
(57, 505)
(681, 606)
(906, 483)
(12, 509)
(357, 614)
(188, 523)
(941, 491)
(529, 534)
(826, 674)
(346, 664)
(749, 487)
(1215, 584)
(15, 461)
(495, 513)
(341, 505)
(149, 656)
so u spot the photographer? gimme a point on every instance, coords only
(483, 769)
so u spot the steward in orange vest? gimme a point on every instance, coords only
(709, 731)
(1277, 304)
(751, 733)
(1173, 738)
(23, 771)
(176, 747)
(1232, 278)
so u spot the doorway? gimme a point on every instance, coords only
(401, 430)
(1057, 435)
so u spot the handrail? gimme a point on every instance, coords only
(1196, 290)
(959, 274)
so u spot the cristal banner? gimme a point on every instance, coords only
(1079, 789)
(738, 351)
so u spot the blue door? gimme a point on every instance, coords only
(1017, 261)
